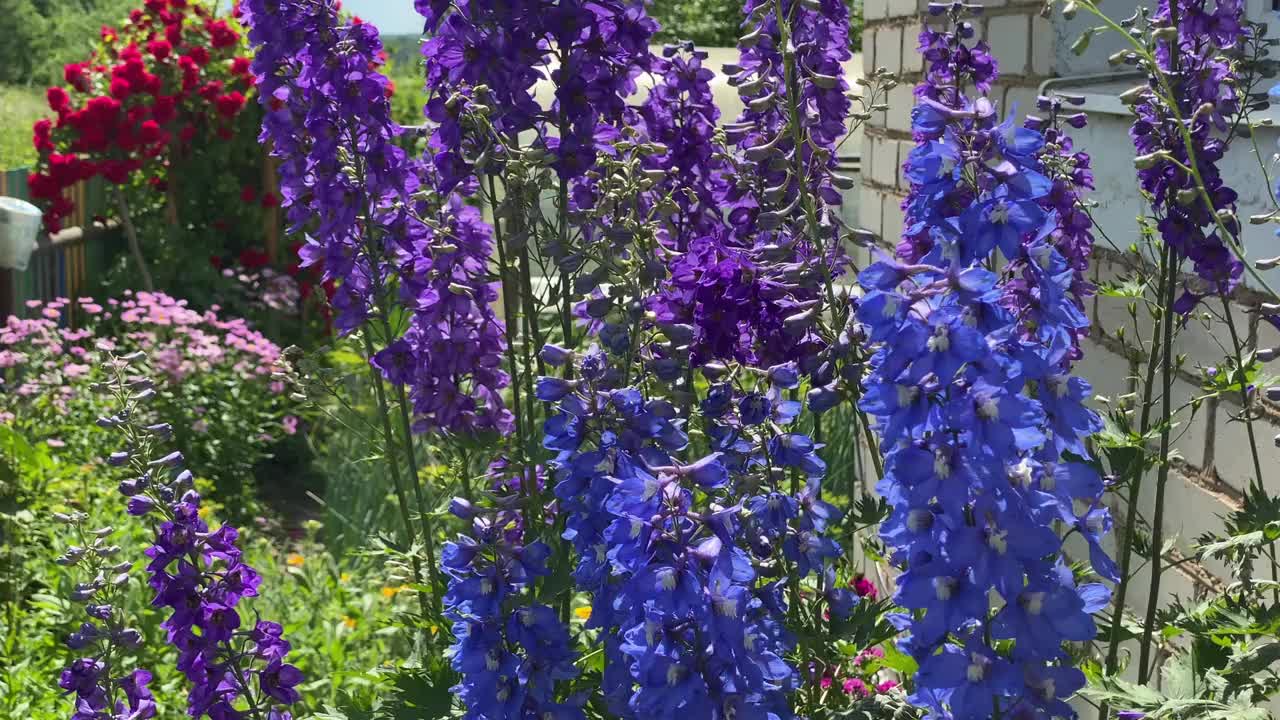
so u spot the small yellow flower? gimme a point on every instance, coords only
(583, 612)
(295, 560)
(349, 621)
(435, 629)
(344, 578)
(204, 512)
(390, 592)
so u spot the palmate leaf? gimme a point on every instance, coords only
(1122, 694)
(1253, 660)
(1257, 538)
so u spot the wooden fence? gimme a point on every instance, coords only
(66, 262)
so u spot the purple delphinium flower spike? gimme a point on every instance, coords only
(1194, 61)
(199, 576)
(355, 193)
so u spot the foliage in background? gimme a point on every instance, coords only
(718, 23)
(20, 108)
(41, 36)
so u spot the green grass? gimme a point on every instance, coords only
(19, 109)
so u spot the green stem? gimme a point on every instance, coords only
(1162, 479)
(1136, 473)
(402, 498)
(512, 322)
(1245, 401)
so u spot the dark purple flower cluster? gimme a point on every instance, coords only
(200, 576)
(100, 694)
(451, 355)
(1192, 61)
(591, 51)
(352, 189)
(1072, 176)
(777, 248)
(790, 74)
(510, 651)
(744, 281)
(85, 678)
(680, 116)
(972, 398)
(328, 119)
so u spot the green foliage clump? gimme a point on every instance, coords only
(19, 108)
(40, 36)
(716, 23)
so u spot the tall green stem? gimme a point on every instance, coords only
(402, 498)
(513, 326)
(1136, 472)
(793, 94)
(1245, 401)
(1162, 478)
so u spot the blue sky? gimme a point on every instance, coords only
(393, 17)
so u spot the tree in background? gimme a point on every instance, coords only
(41, 36)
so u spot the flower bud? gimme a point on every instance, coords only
(554, 355)
(173, 459)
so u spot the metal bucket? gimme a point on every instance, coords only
(19, 224)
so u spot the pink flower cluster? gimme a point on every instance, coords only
(42, 355)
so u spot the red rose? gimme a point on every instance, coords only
(43, 187)
(248, 194)
(104, 109)
(136, 17)
(165, 108)
(187, 133)
(40, 135)
(76, 76)
(120, 88)
(173, 33)
(155, 6)
(221, 35)
(150, 132)
(240, 66)
(211, 90)
(159, 49)
(269, 200)
(58, 99)
(230, 104)
(199, 55)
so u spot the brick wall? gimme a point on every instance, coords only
(1213, 463)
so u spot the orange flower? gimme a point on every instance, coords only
(349, 621)
(582, 613)
(295, 560)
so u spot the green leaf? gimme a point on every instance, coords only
(895, 659)
(1082, 43)
(1254, 660)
